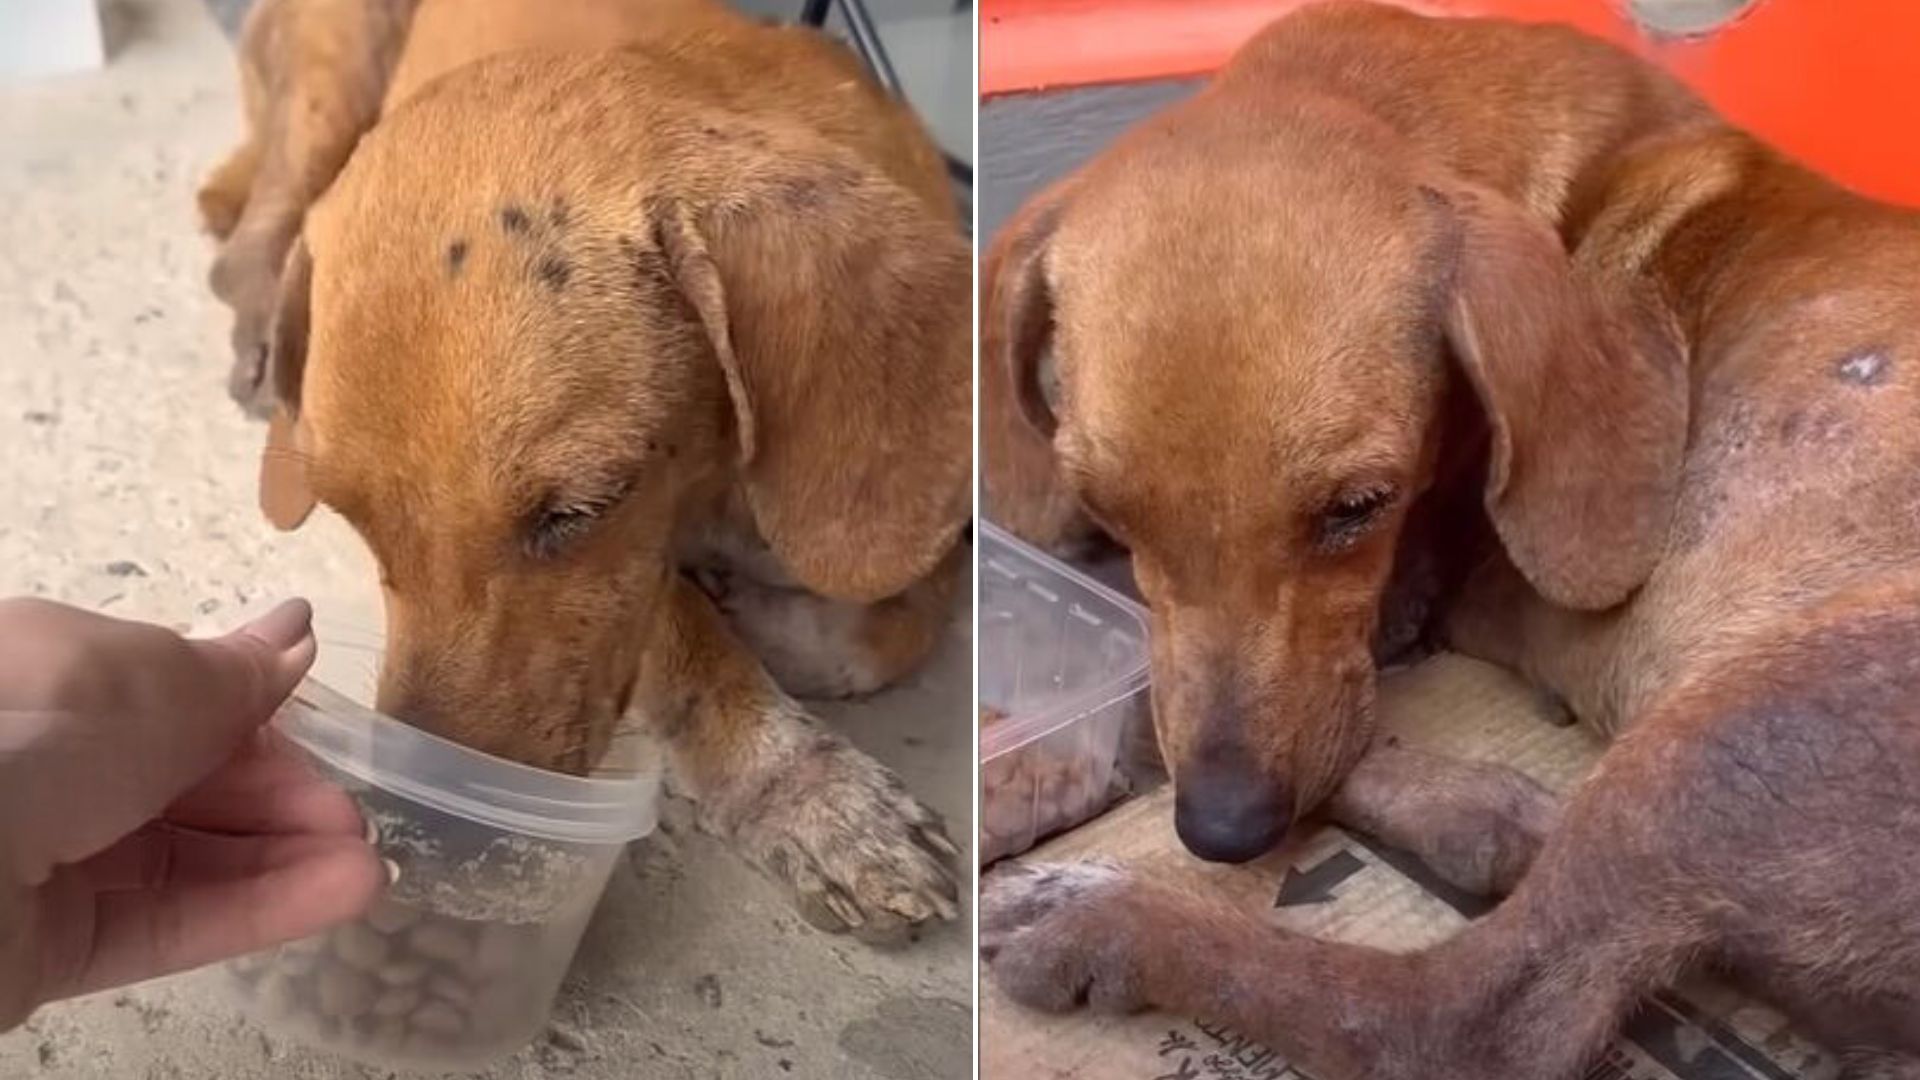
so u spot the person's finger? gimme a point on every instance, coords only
(142, 934)
(254, 668)
(164, 714)
(163, 856)
(267, 789)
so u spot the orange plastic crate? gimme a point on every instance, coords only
(1835, 83)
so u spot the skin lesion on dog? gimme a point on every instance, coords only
(456, 257)
(811, 191)
(514, 220)
(1864, 367)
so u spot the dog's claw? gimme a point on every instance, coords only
(845, 909)
(936, 838)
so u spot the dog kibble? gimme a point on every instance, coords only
(495, 953)
(438, 1018)
(404, 972)
(390, 918)
(397, 1002)
(454, 991)
(344, 992)
(360, 946)
(439, 941)
(419, 990)
(1035, 790)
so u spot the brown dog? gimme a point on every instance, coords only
(1320, 354)
(574, 324)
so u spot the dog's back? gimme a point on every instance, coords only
(1538, 112)
(757, 67)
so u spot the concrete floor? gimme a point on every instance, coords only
(129, 488)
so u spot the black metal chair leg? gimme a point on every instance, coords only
(866, 38)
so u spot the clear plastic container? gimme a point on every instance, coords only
(501, 866)
(1063, 675)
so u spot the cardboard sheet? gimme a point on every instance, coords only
(1342, 887)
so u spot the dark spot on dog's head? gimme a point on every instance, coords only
(739, 136)
(1864, 367)
(560, 213)
(811, 191)
(513, 219)
(456, 257)
(555, 271)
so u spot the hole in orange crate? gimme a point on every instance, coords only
(1687, 17)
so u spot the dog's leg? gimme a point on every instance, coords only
(1478, 825)
(224, 195)
(313, 73)
(1573, 655)
(817, 647)
(1529, 993)
(796, 799)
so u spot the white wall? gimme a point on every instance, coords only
(43, 37)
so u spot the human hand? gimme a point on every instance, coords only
(148, 823)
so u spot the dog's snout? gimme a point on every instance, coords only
(1231, 814)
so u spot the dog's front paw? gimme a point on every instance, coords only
(1059, 935)
(858, 851)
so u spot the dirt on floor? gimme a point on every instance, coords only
(129, 488)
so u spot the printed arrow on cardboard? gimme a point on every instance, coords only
(1315, 884)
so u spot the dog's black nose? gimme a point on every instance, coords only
(1231, 818)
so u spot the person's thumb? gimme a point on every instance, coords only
(258, 665)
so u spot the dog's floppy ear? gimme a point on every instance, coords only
(836, 303)
(1020, 475)
(286, 497)
(1585, 393)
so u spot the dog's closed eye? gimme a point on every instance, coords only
(565, 519)
(1347, 518)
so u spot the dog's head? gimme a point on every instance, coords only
(1253, 324)
(541, 315)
